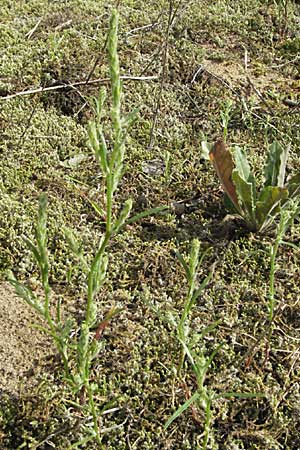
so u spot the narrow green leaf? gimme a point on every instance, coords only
(194, 257)
(98, 272)
(100, 211)
(26, 294)
(181, 409)
(34, 250)
(244, 192)
(129, 120)
(276, 164)
(291, 244)
(197, 368)
(147, 213)
(124, 214)
(196, 337)
(72, 241)
(213, 354)
(98, 144)
(266, 205)
(102, 157)
(99, 103)
(184, 265)
(93, 137)
(201, 287)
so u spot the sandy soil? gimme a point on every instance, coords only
(23, 349)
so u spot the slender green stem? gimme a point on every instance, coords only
(96, 259)
(109, 202)
(208, 416)
(94, 413)
(181, 331)
(274, 250)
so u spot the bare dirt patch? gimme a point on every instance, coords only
(23, 348)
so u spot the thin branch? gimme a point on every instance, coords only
(285, 63)
(72, 85)
(30, 32)
(163, 73)
(148, 27)
(260, 96)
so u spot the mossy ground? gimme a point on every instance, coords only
(47, 43)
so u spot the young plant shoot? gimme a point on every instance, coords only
(87, 347)
(193, 347)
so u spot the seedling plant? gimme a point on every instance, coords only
(77, 369)
(287, 216)
(193, 348)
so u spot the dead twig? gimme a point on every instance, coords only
(261, 96)
(73, 85)
(30, 32)
(163, 73)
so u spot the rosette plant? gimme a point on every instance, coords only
(258, 208)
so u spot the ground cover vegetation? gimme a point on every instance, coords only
(185, 320)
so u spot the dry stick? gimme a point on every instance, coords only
(72, 85)
(163, 73)
(260, 96)
(30, 32)
(286, 63)
(27, 126)
(156, 52)
(150, 26)
(96, 61)
(171, 18)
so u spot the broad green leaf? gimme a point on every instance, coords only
(293, 186)
(267, 203)
(276, 164)
(181, 409)
(241, 164)
(245, 195)
(243, 168)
